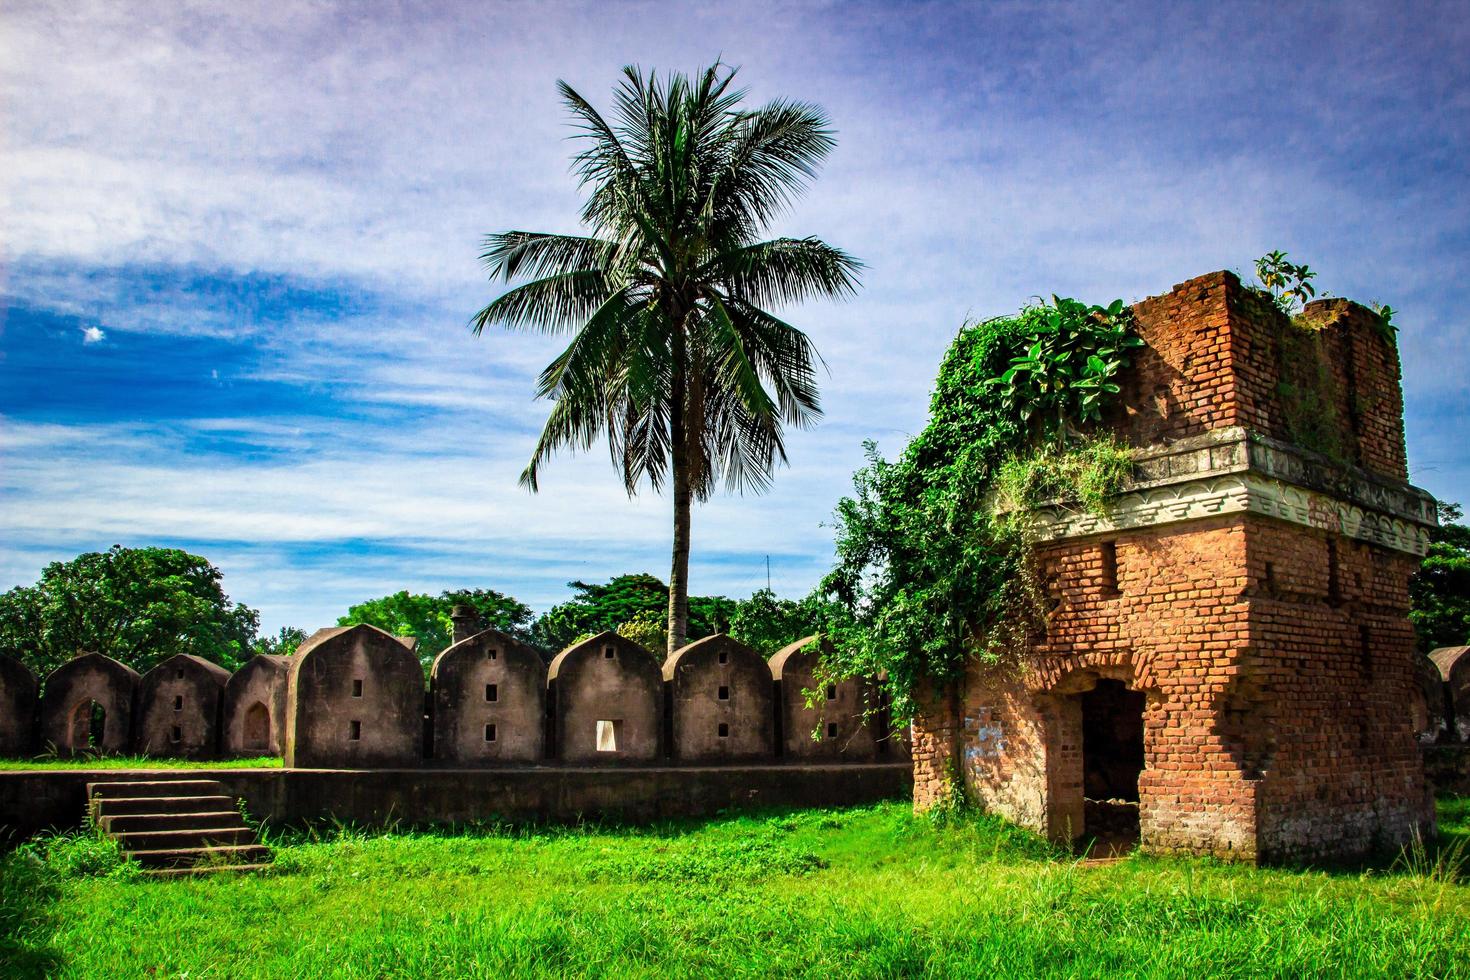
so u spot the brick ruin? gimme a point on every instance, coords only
(1227, 662)
(355, 698)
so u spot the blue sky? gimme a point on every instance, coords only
(239, 252)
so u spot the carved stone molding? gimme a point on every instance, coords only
(1231, 471)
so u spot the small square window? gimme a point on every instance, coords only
(357, 688)
(489, 733)
(831, 692)
(724, 693)
(608, 653)
(178, 702)
(724, 730)
(724, 656)
(179, 674)
(492, 692)
(354, 731)
(177, 735)
(832, 729)
(609, 735)
(492, 654)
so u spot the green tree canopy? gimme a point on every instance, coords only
(282, 644)
(136, 605)
(674, 354)
(624, 599)
(427, 617)
(766, 623)
(1439, 595)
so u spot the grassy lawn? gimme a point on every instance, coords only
(137, 762)
(869, 891)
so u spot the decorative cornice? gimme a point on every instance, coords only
(1233, 471)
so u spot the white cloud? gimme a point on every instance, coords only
(92, 335)
(986, 154)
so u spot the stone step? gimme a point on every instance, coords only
(203, 869)
(133, 789)
(123, 805)
(135, 822)
(202, 857)
(149, 840)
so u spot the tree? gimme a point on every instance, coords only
(283, 644)
(674, 354)
(766, 624)
(427, 617)
(136, 605)
(623, 600)
(1439, 594)
(649, 629)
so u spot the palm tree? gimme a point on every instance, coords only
(673, 351)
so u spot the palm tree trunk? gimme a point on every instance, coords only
(683, 496)
(679, 574)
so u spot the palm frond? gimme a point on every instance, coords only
(784, 271)
(554, 304)
(510, 254)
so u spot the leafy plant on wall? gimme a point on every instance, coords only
(1287, 284)
(1068, 374)
(928, 573)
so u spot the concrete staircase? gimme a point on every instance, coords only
(176, 826)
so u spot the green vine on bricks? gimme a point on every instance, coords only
(1307, 388)
(932, 568)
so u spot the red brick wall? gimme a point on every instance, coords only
(1214, 358)
(1334, 665)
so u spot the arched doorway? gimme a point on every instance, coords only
(257, 734)
(1112, 760)
(88, 726)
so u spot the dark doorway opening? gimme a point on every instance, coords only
(88, 726)
(1112, 759)
(257, 727)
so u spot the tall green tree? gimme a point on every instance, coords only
(427, 617)
(622, 600)
(1439, 594)
(766, 623)
(136, 605)
(674, 352)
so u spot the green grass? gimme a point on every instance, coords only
(865, 892)
(136, 762)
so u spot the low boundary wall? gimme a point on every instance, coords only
(37, 800)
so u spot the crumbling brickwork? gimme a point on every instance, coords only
(1246, 595)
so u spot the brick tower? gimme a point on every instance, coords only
(1228, 664)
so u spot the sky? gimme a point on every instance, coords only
(239, 249)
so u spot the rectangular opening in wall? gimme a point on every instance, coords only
(1109, 573)
(179, 675)
(178, 702)
(490, 733)
(609, 735)
(831, 692)
(724, 730)
(1365, 650)
(357, 688)
(492, 692)
(724, 656)
(831, 729)
(1270, 583)
(177, 735)
(608, 653)
(724, 693)
(492, 654)
(354, 731)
